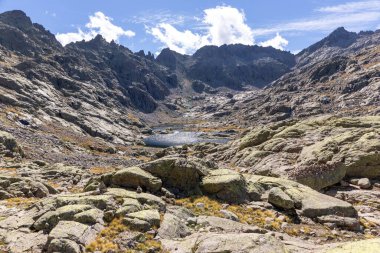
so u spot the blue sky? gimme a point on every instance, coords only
(185, 26)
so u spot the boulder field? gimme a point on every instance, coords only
(173, 204)
(317, 152)
(300, 172)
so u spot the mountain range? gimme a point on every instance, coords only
(94, 83)
(259, 150)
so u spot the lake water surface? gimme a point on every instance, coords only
(178, 138)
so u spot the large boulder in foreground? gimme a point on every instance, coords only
(280, 199)
(133, 177)
(173, 227)
(317, 152)
(227, 185)
(76, 233)
(183, 174)
(51, 218)
(150, 216)
(309, 202)
(67, 223)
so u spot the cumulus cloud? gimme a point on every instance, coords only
(277, 42)
(98, 24)
(226, 25)
(183, 42)
(220, 25)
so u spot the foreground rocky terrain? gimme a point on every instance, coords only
(301, 172)
(204, 197)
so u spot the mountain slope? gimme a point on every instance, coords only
(232, 66)
(329, 78)
(93, 86)
(103, 89)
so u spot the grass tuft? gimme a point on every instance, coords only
(245, 214)
(101, 170)
(105, 241)
(20, 202)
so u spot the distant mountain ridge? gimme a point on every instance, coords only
(104, 88)
(232, 66)
(339, 75)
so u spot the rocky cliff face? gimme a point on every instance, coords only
(92, 85)
(21, 35)
(338, 75)
(232, 66)
(70, 181)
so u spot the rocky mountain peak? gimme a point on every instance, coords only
(232, 66)
(98, 40)
(16, 19)
(340, 31)
(96, 43)
(18, 33)
(340, 37)
(170, 58)
(149, 55)
(293, 167)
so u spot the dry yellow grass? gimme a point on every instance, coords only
(297, 230)
(75, 189)
(144, 158)
(101, 170)
(245, 214)
(53, 184)
(9, 171)
(20, 202)
(105, 241)
(148, 245)
(366, 223)
(369, 236)
(133, 117)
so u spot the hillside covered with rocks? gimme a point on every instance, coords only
(294, 165)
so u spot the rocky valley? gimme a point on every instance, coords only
(232, 149)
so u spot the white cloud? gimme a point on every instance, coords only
(221, 25)
(182, 42)
(352, 15)
(98, 24)
(226, 25)
(277, 42)
(352, 7)
(325, 23)
(66, 38)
